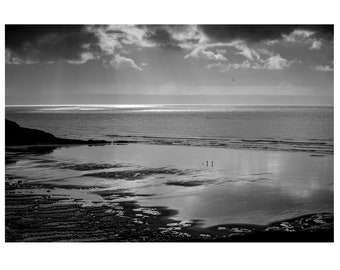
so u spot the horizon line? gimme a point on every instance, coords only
(167, 104)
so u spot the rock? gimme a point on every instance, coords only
(16, 135)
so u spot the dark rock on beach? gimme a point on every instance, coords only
(18, 136)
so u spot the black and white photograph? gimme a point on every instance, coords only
(168, 133)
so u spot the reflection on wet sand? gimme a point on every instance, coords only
(216, 186)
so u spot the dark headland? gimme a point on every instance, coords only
(16, 135)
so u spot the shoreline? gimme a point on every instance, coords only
(32, 217)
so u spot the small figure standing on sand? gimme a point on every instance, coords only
(207, 163)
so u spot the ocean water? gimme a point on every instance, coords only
(257, 127)
(217, 164)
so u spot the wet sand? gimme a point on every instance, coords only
(51, 218)
(50, 211)
(240, 186)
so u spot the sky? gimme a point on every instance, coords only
(157, 64)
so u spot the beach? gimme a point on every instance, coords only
(111, 193)
(122, 174)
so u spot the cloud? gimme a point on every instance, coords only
(265, 52)
(77, 44)
(106, 42)
(259, 58)
(122, 62)
(251, 33)
(219, 66)
(173, 36)
(84, 57)
(258, 33)
(111, 37)
(226, 67)
(247, 52)
(322, 31)
(276, 62)
(298, 36)
(316, 45)
(74, 44)
(271, 42)
(137, 36)
(322, 68)
(202, 53)
(11, 58)
(221, 51)
(48, 43)
(160, 36)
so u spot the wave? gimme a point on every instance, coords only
(312, 145)
(155, 108)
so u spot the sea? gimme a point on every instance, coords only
(217, 164)
(288, 128)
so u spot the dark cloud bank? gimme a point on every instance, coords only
(46, 43)
(256, 33)
(51, 43)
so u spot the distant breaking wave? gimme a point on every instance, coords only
(312, 146)
(150, 108)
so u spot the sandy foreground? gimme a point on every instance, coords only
(43, 212)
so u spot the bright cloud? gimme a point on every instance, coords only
(188, 36)
(316, 45)
(247, 52)
(298, 36)
(202, 53)
(322, 68)
(122, 62)
(84, 58)
(107, 43)
(276, 62)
